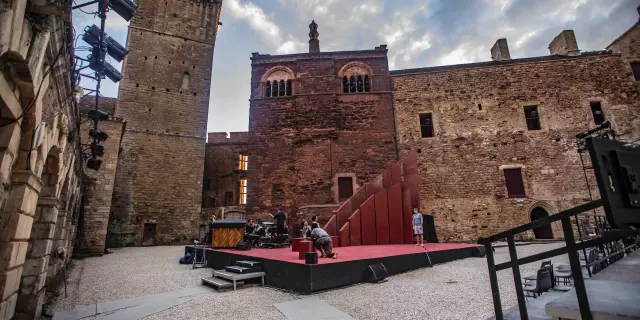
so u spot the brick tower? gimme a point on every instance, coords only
(164, 97)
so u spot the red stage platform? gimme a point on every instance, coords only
(350, 253)
(284, 269)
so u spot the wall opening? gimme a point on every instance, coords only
(542, 232)
(532, 116)
(186, 81)
(345, 188)
(149, 235)
(596, 111)
(426, 125)
(514, 182)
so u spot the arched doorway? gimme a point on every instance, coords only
(543, 232)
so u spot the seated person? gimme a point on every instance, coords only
(249, 234)
(323, 243)
(306, 230)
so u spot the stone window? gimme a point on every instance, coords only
(243, 162)
(426, 125)
(596, 111)
(356, 77)
(513, 180)
(186, 80)
(532, 116)
(228, 198)
(243, 191)
(278, 82)
(213, 202)
(345, 188)
(635, 67)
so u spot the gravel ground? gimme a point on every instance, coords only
(455, 290)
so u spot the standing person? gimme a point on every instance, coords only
(280, 217)
(323, 243)
(417, 226)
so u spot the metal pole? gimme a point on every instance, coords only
(517, 279)
(576, 270)
(102, 11)
(493, 278)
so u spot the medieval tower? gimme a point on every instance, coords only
(164, 99)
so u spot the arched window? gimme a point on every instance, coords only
(278, 82)
(356, 77)
(186, 79)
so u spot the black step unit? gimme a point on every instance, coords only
(248, 264)
(239, 269)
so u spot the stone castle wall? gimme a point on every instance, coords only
(480, 129)
(300, 143)
(164, 98)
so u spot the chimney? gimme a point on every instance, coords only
(314, 43)
(500, 51)
(564, 44)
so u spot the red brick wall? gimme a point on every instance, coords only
(299, 143)
(462, 184)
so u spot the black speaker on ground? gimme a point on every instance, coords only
(243, 245)
(479, 252)
(311, 258)
(375, 273)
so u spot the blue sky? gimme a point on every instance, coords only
(418, 33)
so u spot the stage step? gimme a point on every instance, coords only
(220, 283)
(248, 264)
(239, 269)
(238, 276)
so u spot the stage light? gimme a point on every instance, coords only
(125, 8)
(98, 135)
(114, 48)
(97, 150)
(112, 73)
(94, 163)
(97, 58)
(98, 115)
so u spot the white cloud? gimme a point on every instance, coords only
(524, 39)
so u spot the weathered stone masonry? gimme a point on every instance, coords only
(301, 143)
(480, 129)
(164, 98)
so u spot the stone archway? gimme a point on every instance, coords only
(543, 232)
(34, 275)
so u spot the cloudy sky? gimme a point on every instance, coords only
(418, 33)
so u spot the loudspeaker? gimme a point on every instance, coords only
(375, 273)
(311, 258)
(243, 245)
(479, 252)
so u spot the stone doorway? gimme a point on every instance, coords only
(149, 235)
(543, 232)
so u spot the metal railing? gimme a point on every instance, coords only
(571, 249)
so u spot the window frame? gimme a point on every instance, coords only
(336, 186)
(513, 194)
(597, 119)
(635, 66)
(243, 161)
(243, 192)
(422, 126)
(527, 118)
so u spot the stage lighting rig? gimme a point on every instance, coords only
(125, 8)
(97, 150)
(94, 163)
(98, 135)
(114, 48)
(98, 115)
(97, 63)
(605, 125)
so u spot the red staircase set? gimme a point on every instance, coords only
(380, 211)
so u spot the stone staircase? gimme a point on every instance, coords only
(235, 276)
